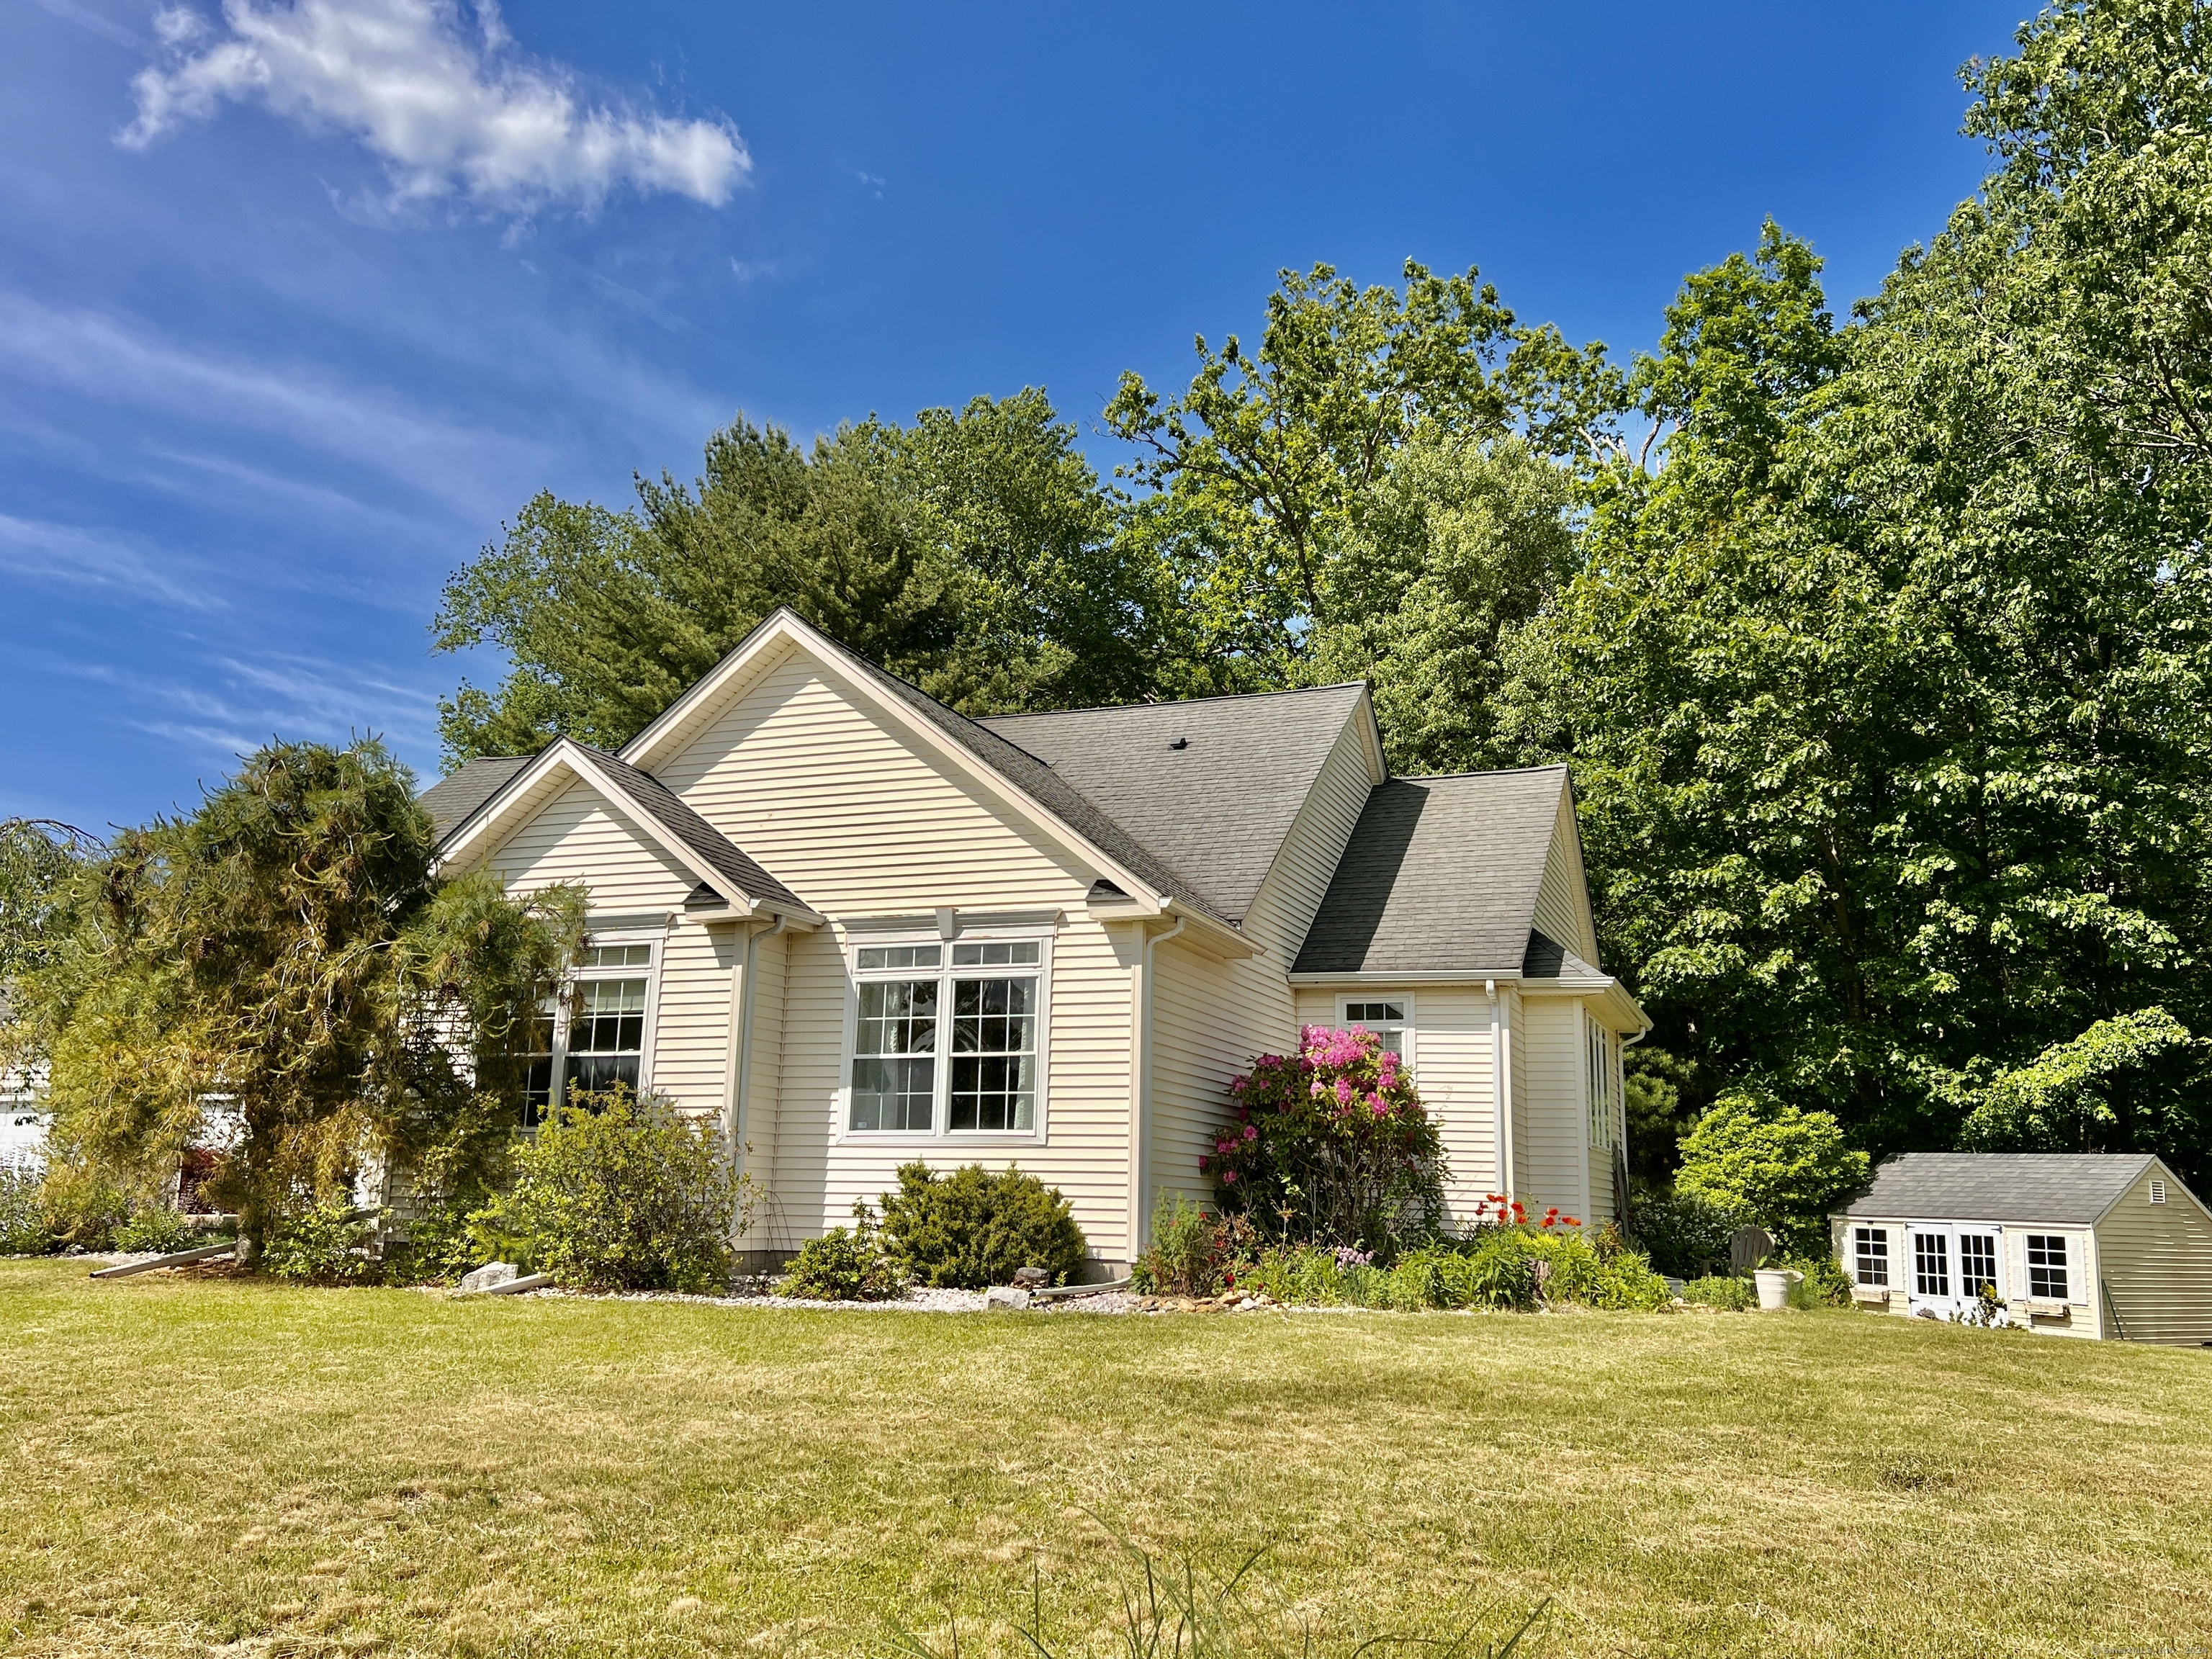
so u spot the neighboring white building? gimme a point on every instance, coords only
(2087, 1244)
(863, 929)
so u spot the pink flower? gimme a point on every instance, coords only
(1343, 1092)
(1228, 1177)
(1251, 1132)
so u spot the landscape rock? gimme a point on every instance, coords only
(491, 1274)
(1031, 1279)
(1006, 1296)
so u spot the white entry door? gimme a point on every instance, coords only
(1946, 1267)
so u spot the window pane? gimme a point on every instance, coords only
(609, 1018)
(874, 958)
(995, 1055)
(893, 1094)
(1011, 953)
(1374, 1013)
(893, 1090)
(1932, 1264)
(1978, 1262)
(536, 1057)
(597, 1073)
(616, 956)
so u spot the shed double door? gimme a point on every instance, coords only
(1946, 1266)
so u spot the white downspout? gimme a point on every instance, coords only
(1501, 1086)
(1140, 1132)
(738, 1125)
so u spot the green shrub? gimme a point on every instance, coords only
(441, 1245)
(1684, 1233)
(158, 1229)
(328, 1244)
(972, 1229)
(846, 1266)
(23, 1229)
(620, 1193)
(83, 1206)
(1193, 1252)
(1498, 1267)
(1330, 1145)
(1773, 1166)
(1825, 1285)
(1720, 1291)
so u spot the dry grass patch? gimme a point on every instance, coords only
(258, 1469)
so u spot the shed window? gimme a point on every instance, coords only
(1932, 1264)
(946, 1048)
(1978, 1263)
(1872, 1248)
(2046, 1267)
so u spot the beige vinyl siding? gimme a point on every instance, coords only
(1562, 905)
(576, 837)
(1515, 1029)
(2157, 1262)
(1292, 895)
(764, 1067)
(1453, 1071)
(860, 822)
(1211, 1019)
(1552, 1029)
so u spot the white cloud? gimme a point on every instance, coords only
(448, 108)
(87, 558)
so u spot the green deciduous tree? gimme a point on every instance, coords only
(972, 552)
(1774, 1167)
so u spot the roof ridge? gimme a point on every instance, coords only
(1169, 702)
(1479, 772)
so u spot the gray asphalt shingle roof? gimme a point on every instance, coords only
(1440, 877)
(2062, 1188)
(1216, 810)
(452, 799)
(649, 795)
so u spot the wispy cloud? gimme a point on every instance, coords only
(90, 558)
(105, 357)
(450, 109)
(86, 18)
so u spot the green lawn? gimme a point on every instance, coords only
(289, 1471)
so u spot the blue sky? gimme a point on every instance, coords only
(299, 300)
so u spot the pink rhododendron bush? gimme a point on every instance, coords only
(1330, 1145)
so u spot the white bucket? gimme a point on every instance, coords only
(1774, 1285)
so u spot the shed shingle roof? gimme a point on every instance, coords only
(1440, 877)
(2062, 1188)
(1217, 810)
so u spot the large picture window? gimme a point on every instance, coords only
(593, 1038)
(946, 1038)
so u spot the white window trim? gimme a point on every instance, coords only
(1406, 1026)
(1864, 1234)
(940, 1108)
(564, 1001)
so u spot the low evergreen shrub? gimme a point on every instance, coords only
(616, 1193)
(971, 1229)
(847, 1265)
(23, 1229)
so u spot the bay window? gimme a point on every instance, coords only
(947, 1039)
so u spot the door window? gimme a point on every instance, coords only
(1978, 1263)
(1932, 1264)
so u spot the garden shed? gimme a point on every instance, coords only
(2089, 1244)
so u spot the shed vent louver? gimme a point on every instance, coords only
(2157, 1190)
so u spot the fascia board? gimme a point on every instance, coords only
(725, 676)
(1457, 976)
(783, 627)
(1003, 790)
(564, 755)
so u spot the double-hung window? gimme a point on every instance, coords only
(2046, 1267)
(947, 1039)
(1873, 1252)
(592, 1038)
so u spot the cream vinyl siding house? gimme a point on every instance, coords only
(860, 929)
